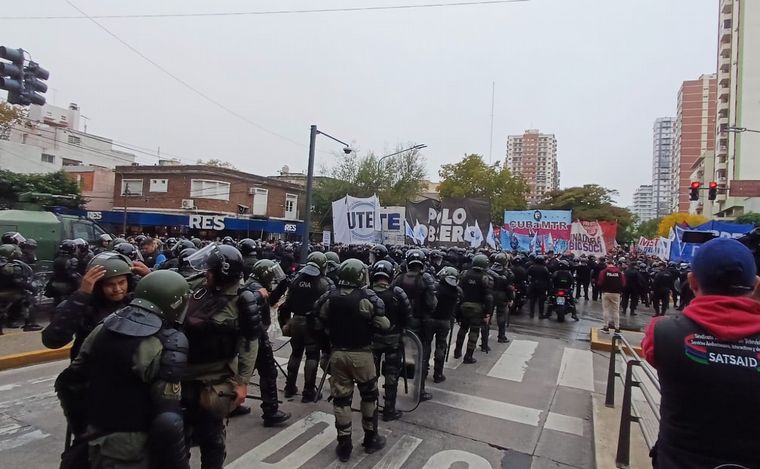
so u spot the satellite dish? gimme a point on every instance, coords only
(285, 169)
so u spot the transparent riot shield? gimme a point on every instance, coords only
(410, 379)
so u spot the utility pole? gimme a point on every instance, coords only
(493, 96)
(126, 195)
(309, 187)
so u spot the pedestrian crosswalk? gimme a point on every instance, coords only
(513, 363)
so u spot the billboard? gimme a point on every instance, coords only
(392, 224)
(536, 231)
(356, 220)
(451, 222)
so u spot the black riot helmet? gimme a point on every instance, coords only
(224, 262)
(382, 268)
(83, 247)
(105, 240)
(170, 243)
(564, 265)
(29, 244)
(184, 254)
(415, 257)
(128, 250)
(197, 242)
(247, 246)
(12, 237)
(228, 241)
(380, 251)
(67, 246)
(181, 245)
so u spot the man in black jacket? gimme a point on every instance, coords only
(539, 280)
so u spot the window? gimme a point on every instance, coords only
(74, 140)
(131, 186)
(291, 204)
(47, 158)
(159, 185)
(82, 230)
(260, 199)
(207, 189)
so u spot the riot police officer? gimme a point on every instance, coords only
(265, 288)
(83, 254)
(105, 287)
(223, 326)
(172, 255)
(632, 288)
(184, 268)
(123, 389)
(305, 290)
(247, 248)
(386, 345)
(477, 305)
(449, 296)
(662, 284)
(29, 252)
(419, 286)
(539, 279)
(562, 279)
(16, 290)
(66, 277)
(582, 276)
(503, 294)
(103, 244)
(349, 316)
(333, 262)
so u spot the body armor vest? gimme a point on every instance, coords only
(472, 287)
(447, 302)
(348, 330)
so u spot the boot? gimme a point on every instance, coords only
(502, 340)
(275, 418)
(485, 348)
(344, 448)
(439, 378)
(373, 442)
(457, 353)
(32, 327)
(390, 413)
(575, 316)
(240, 410)
(468, 358)
(290, 391)
(502, 337)
(425, 396)
(311, 396)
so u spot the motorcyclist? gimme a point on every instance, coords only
(562, 279)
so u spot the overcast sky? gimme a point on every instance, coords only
(594, 72)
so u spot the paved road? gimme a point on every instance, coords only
(524, 405)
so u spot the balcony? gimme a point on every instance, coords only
(724, 93)
(728, 7)
(725, 50)
(721, 164)
(725, 36)
(724, 65)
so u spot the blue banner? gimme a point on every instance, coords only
(684, 252)
(536, 231)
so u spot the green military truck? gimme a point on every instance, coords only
(49, 229)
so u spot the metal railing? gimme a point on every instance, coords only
(623, 348)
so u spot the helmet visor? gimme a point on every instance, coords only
(277, 274)
(199, 260)
(18, 238)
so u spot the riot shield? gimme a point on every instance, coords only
(410, 379)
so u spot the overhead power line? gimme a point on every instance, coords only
(261, 13)
(183, 82)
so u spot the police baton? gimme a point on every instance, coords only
(322, 381)
(448, 344)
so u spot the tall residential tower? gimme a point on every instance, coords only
(662, 157)
(533, 155)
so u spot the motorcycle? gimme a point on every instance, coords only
(562, 303)
(521, 297)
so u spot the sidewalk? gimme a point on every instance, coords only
(18, 348)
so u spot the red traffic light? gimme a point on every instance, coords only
(713, 185)
(695, 184)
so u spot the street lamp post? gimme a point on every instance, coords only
(310, 183)
(126, 194)
(416, 147)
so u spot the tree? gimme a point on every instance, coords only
(12, 185)
(472, 177)
(750, 217)
(10, 115)
(592, 202)
(217, 163)
(669, 221)
(394, 180)
(647, 229)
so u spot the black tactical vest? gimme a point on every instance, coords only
(149, 260)
(472, 287)
(303, 293)
(392, 309)
(413, 286)
(118, 401)
(710, 389)
(209, 341)
(348, 330)
(447, 302)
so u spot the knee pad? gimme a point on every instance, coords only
(344, 401)
(368, 391)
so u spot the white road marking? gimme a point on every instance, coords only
(8, 429)
(8, 387)
(43, 380)
(22, 439)
(564, 423)
(297, 458)
(577, 369)
(399, 453)
(27, 400)
(488, 407)
(514, 361)
(449, 457)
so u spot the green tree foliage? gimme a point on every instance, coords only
(592, 202)
(12, 185)
(750, 217)
(217, 163)
(394, 180)
(10, 115)
(472, 177)
(647, 229)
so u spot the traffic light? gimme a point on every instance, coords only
(12, 74)
(694, 190)
(24, 84)
(712, 191)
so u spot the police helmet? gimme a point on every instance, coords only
(81, 245)
(181, 245)
(10, 251)
(500, 258)
(416, 257)
(197, 241)
(223, 261)
(114, 263)
(382, 268)
(332, 257)
(480, 262)
(29, 244)
(540, 260)
(564, 265)
(228, 241)
(105, 240)
(12, 237)
(352, 273)
(268, 272)
(67, 246)
(128, 250)
(318, 260)
(165, 293)
(247, 246)
(449, 276)
(119, 241)
(170, 243)
(380, 251)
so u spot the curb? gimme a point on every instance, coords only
(18, 360)
(603, 342)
